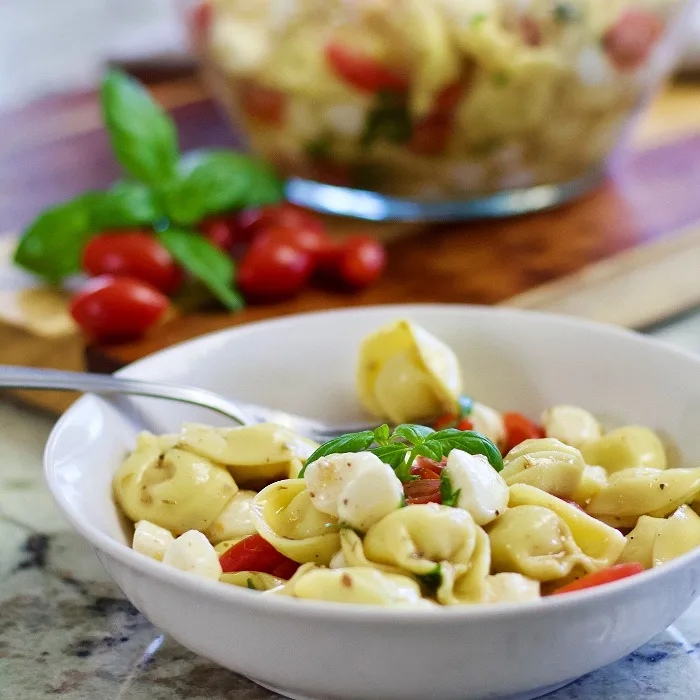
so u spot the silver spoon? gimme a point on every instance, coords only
(12, 377)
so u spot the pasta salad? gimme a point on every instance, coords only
(434, 99)
(456, 504)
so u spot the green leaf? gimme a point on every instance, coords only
(204, 261)
(143, 136)
(414, 434)
(428, 449)
(350, 442)
(467, 440)
(125, 205)
(432, 580)
(449, 497)
(466, 406)
(395, 456)
(251, 585)
(388, 120)
(52, 245)
(212, 182)
(381, 434)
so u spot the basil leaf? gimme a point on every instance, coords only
(467, 440)
(432, 580)
(52, 245)
(388, 120)
(395, 456)
(251, 585)
(415, 434)
(143, 136)
(427, 449)
(381, 434)
(211, 182)
(350, 442)
(449, 497)
(124, 205)
(466, 406)
(204, 261)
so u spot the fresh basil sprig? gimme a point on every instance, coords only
(209, 182)
(400, 448)
(168, 194)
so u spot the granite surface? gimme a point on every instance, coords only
(66, 631)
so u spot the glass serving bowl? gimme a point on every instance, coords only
(434, 109)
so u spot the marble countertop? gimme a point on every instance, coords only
(66, 630)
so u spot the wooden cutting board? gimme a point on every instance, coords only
(628, 253)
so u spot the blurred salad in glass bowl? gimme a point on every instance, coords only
(434, 109)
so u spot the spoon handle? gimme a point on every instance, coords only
(12, 377)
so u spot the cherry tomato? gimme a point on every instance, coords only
(253, 221)
(363, 72)
(424, 473)
(597, 578)
(221, 232)
(274, 269)
(313, 241)
(431, 134)
(117, 308)
(423, 491)
(465, 424)
(530, 31)
(518, 429)
(449, 420)
(132, 254)
(431, 464)
(261, 103)
(256, 554)
(362, 261)
(631, 39)
(449, 98)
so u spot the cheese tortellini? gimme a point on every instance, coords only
(172, 488)
(284, 515)
(405, 374)
(547, 464)
(362, 585)
(432, 525)
(254, 454)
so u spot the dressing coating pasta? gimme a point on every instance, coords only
(412, 517)
(285, 516)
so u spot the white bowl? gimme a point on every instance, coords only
(305, 649)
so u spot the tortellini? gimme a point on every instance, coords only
(630, 447)
(357, 488)
(533, 541)
(405, 374)
(600, 543)
(174, 489)
(655, 541)
(254, 454)
(255, 580)
(633, 492)
(419, 537)
(235, 521)
(571, 425)
(285, 516)
(482, 491)
(361, 585)
(546, 463)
